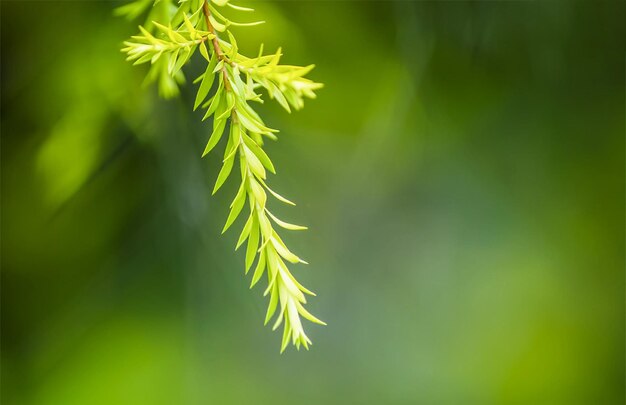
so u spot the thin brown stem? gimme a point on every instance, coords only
(215, 41)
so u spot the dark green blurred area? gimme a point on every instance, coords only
(462, 175)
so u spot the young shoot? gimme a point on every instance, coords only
(227, 91)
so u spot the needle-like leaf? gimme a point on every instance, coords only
(168, 45)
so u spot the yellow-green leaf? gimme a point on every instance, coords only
(224, 172)
(286, 225)
(207, 82)
(258, 271)
(216, 135)
(235, 208)
(253, 243)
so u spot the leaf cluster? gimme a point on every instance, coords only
(227, 89)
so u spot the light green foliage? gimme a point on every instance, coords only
(226, 91)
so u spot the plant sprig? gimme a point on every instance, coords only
(226, 90)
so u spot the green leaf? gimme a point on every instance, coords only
(278, 95)
(243, 167)
(216, 101)
(233, 45)
(190, 28)
(283, 251)
(231, 149)
(204, 51)
(218, 67)
(172, 34)
(271, 308)
(278, 196)
(253, 244)
(241, 194)
(172, 61)
(257, 192)
(250, 120)
(224, 172)
(255, 164)
(236, 207)
(279, 319)
(260, 153)
(258, 271)
(286, 225)
(266, 227)
(156, 57)
(239, 88)
(184, 56)
(216, 135)
(276, 57)
(298, 285)
(239, 8)
(216, 24)
(249, 123)
(207, 83)
(249, 24)
(145, 58)
(307, 315)
(230, 103)
(245, 232)
(272, 278)
(288, 283)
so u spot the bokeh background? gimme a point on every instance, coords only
(462, 175)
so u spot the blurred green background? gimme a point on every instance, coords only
(462, 175)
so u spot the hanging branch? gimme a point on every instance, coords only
(227, 88)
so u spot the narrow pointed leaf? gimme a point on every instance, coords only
(253, 243)
(271, 308)
(216, 24)
(207, 82)
(218, 131)
(235, 209)
(239, 8)
(259, 153)
(255, 164)
(286, 225)
(259, 269)
(223, 175)
(307, 315)
(245, 232)
(282, 250)
(278, 196)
